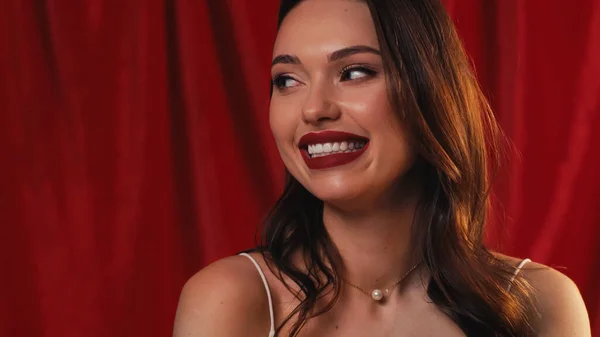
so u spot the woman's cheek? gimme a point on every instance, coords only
(283, 128)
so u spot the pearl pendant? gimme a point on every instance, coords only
(377, 295)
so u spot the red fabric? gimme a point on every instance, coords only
(135, 148)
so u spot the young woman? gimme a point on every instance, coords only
(387, 140)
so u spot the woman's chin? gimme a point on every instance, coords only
(348, 199)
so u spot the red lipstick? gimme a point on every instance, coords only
(331, 148)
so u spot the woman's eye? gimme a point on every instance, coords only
(356, 73)
(283, 82)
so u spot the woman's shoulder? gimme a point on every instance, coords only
(561, 308)
(226, 298)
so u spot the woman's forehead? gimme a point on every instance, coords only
(322, 26)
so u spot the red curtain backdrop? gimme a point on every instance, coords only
(135, 148)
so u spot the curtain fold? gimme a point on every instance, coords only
(136, 148)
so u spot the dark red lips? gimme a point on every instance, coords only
(331, 160)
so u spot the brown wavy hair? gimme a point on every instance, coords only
(432, 86)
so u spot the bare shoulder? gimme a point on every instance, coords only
(559, 302)
(225, 299)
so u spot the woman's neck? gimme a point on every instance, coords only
(375, 245)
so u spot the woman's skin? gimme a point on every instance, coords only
(329, 76)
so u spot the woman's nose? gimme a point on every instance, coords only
(318, 107)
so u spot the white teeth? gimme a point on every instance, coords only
(319, 150)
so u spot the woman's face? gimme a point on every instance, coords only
(330, 112)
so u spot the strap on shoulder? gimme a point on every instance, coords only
(517, 270)
(266, 284)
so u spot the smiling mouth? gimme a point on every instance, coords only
(327, 149)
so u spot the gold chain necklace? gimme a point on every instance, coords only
(377, 294)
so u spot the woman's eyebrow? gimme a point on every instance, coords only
(335, 56)
(345, 52)
(285, 59)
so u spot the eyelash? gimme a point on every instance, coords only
(356, 67)
(278, 80)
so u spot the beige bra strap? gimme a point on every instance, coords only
(264, 279)
(519, 267)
